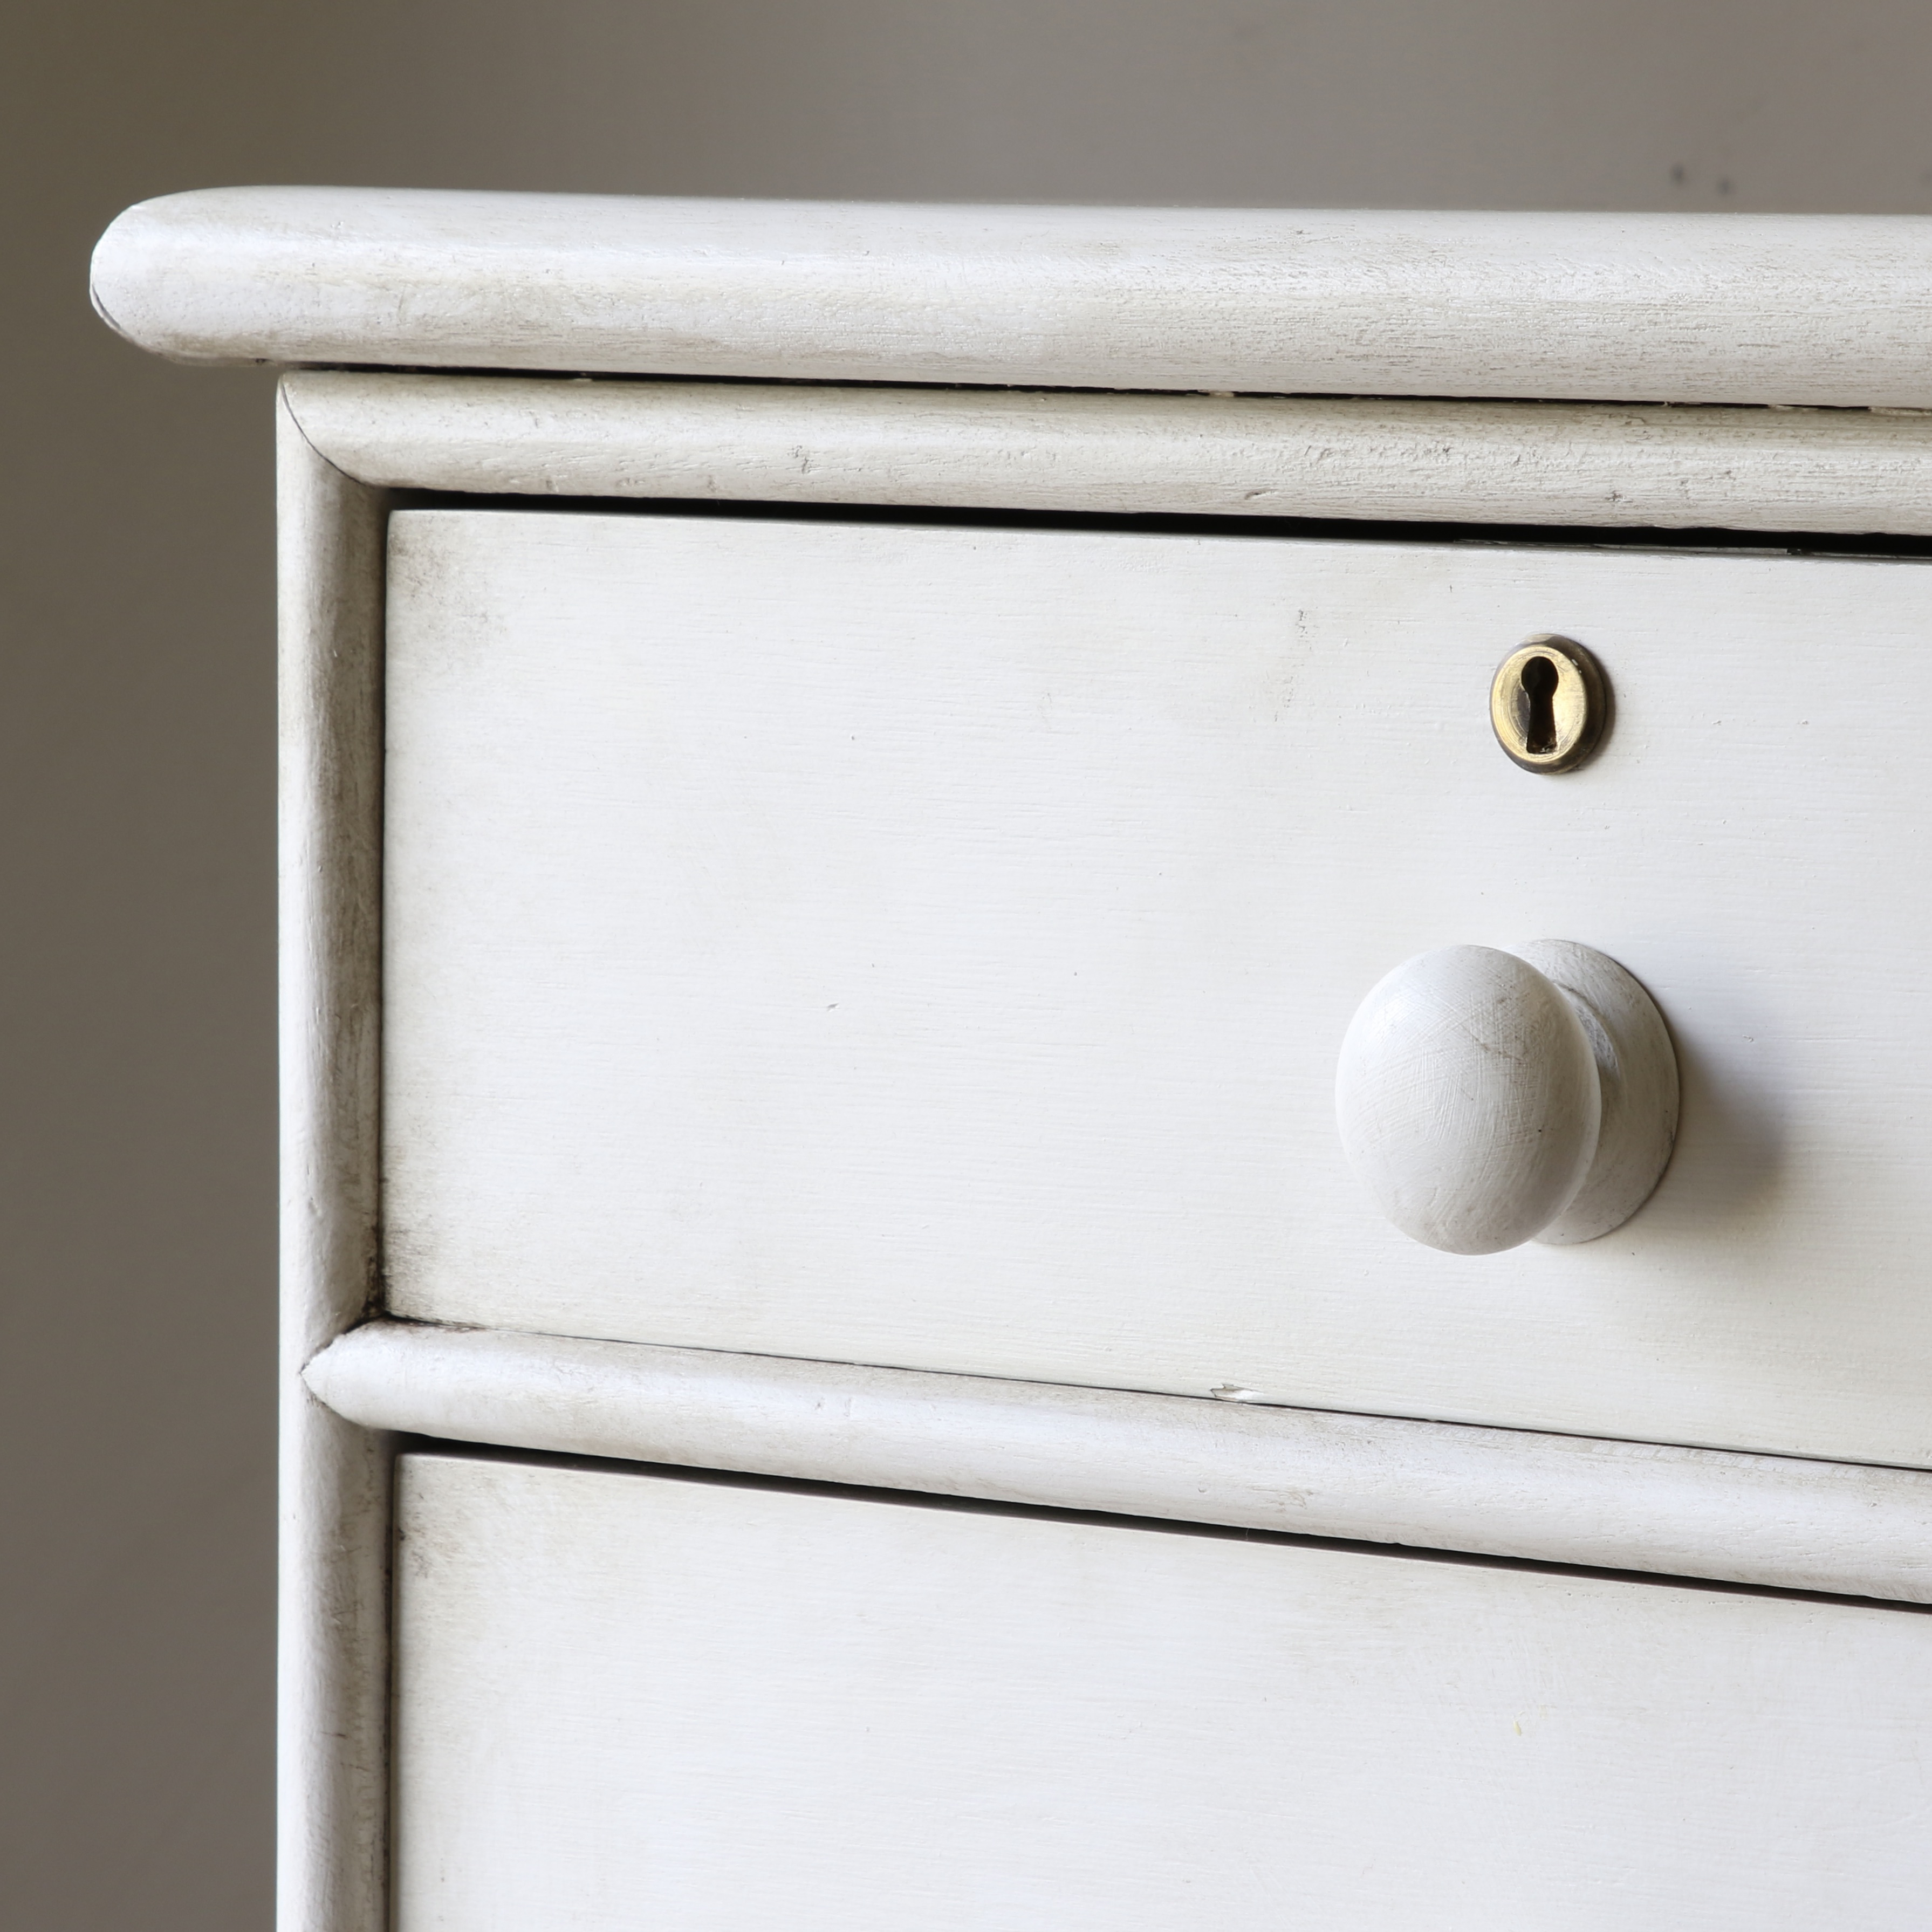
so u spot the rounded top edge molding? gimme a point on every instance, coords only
(1809, 310)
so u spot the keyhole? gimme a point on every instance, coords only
(1539, 685)
(1548, 704)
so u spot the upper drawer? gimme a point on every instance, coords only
(930, 945)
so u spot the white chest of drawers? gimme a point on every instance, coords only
(822, 893)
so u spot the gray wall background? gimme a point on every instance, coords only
(137, 1090)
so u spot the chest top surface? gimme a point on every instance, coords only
(1821, 310)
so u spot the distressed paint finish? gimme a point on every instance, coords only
(332, 1730)
(1478, 1119)
(1822, 309)
(1468, 1100)
(1597, 467)
(633, 884)
(1778, 1520)
(624, 1700)
(930, 947)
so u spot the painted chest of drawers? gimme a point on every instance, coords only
(845, 771)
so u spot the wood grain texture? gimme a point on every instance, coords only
(629, 1700)
(1774, 1520)
(334, 1488)
(1649, 307)
(1525, 462)
(930, 947)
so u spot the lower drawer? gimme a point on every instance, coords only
(630, 1699)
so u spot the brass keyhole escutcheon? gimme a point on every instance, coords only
(1550, 704)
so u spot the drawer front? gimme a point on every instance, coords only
(930, 946)
(625, 1699)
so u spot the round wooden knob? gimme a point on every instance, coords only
(1488, 1098)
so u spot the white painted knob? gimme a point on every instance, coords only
(1488, 1098)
